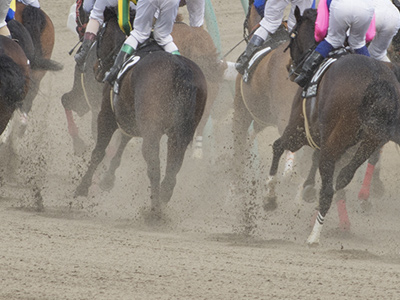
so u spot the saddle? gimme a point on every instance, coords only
(310, 90)
(143, 50)
(272, 42)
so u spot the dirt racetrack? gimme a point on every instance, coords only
(104, 246)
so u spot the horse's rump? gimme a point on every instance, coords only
(164, 90)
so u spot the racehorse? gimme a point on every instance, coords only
(357, 104)
(266, 98)
(14, 78)
(161, 94)
(194, 43)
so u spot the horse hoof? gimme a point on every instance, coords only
(107, 183)
(197, 153)
(270, 204)
(377, 188)
(344, 226)
(366, 206)
(79, 146)
(81, 191)
(309, 194)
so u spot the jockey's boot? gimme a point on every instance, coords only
(243, 60)
(125, 52)
(80, 57)
(309, 66)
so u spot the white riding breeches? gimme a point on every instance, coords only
(274, 11)
(143, 23)
(196, 12)
(355, 16)
(88, 5)
(387, 23)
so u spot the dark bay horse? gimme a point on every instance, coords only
(357, 105)
(161, 94)
(14, 79)
(194, 43)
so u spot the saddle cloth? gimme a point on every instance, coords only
(311, 89)
(142, 51)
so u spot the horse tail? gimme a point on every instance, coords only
(184, 96)
(12, 81)
(379, 107)
(35, 22)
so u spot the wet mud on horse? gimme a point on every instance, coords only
(357, 105)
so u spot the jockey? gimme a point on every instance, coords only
(143, 24)
(387, 23)
(4, 8)
(96, 19)
(340, 16)
(273, 14)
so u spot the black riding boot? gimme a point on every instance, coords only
(254, 43)
(308, 69)
(125, 52)
(88, 41)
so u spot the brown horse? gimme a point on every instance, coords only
(14, 78)
(161, 94)
(265, 99)
(357, 104)
(194, 43)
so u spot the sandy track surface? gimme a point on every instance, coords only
(106, 247)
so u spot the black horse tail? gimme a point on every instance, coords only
(12, 81)
(35, 22)
(379, 108)
(184, 99)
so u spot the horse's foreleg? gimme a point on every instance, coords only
(107, 182)
(309, 192)
(151, 152)
(77, 142)
(106, 128)
(326, 169)
(175, 156)
(270, 198)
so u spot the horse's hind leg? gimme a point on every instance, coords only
(326, 170)
(106, 128)
(175, 156)
(371, 175)
(151, 152)
(364, 151)
(107, 183)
